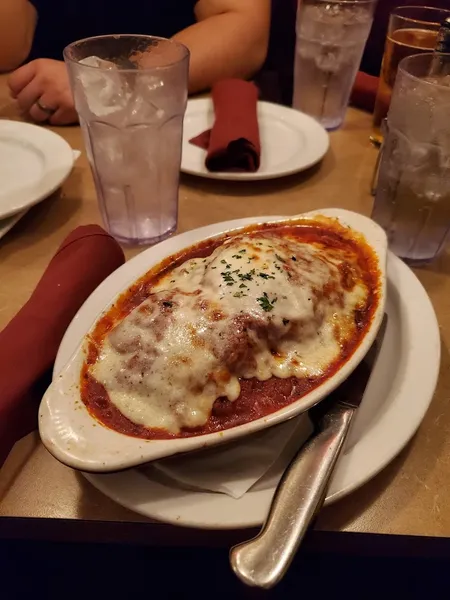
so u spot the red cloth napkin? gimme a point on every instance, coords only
(29, 343)
(364, 91)
(233, 143)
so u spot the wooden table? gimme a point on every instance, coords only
(408, 497)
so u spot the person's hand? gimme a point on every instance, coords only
(42, 90)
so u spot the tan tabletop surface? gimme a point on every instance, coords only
(409, 497)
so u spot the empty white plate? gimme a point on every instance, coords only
(290, 141)
(34, 162)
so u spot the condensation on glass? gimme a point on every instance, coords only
(412, 201)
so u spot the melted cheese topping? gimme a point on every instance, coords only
(259, 306)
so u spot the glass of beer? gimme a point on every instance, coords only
(412, 30)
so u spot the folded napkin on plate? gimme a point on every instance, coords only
(364, 91)
(234, 468)
(233, 143)
(29, 343)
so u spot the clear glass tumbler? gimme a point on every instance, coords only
(331, 35)
(130, 93)
(412, 30)
(412, 201)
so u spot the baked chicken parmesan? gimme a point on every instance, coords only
(231, 329)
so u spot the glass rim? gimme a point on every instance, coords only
(184, 49)
(407, 59)
(398, 10)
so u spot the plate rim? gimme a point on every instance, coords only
(11, 221)
(105, 483)
(257, 176)
(60, 159)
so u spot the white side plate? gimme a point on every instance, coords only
(34, 162)
(290, 141)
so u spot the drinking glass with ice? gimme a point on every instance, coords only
(412, 200)
(130, 93)
(331, 35)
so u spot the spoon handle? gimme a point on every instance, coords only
(263, 561)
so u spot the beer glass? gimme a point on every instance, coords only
(412, 30)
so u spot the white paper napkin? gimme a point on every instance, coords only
(234, 468)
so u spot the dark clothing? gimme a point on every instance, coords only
(61, 22)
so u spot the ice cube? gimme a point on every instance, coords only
(154, 98)
(103, 87)
(99, 63)
(330, 58)
(442, 80)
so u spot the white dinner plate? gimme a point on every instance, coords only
(396, 400)
(290, 141)
(34, 162)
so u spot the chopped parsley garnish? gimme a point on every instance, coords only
(266, 276)
(238, 256)
(223, 261)
(286, 321)
(239, 295)
(172, 281)
(247, 276)
(266, 304)
(243, 285)
(278, 257)
(293, 258)
(243, 251)
(228, 278)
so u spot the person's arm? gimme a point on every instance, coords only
(17, 25)
(229, 40)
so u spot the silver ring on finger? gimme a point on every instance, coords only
(46, 109)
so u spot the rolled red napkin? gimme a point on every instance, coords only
(364, 91)
(233, 143)
(29, 343)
